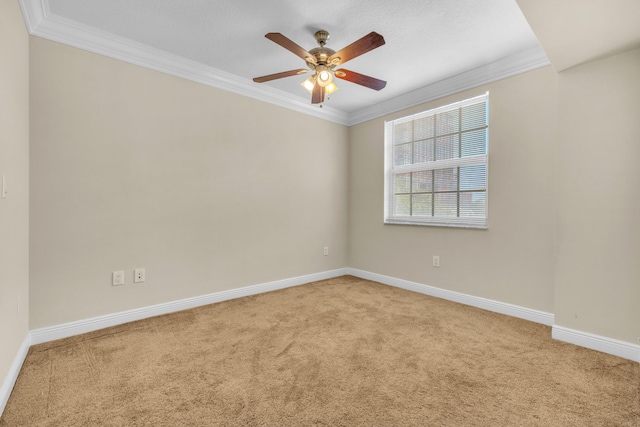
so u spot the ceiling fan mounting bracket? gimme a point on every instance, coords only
(321, 37)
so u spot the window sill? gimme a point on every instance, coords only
(450, 223)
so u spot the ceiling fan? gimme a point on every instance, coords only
(322, 61)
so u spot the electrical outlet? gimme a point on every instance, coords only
(138, 275)
(436, 261)
(118, 278)
(326, 250)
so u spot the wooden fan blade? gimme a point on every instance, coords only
(360, 79)
(279, 75)
(291, 46)
(318, 94)
(357, 48)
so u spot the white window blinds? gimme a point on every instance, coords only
(436, 166)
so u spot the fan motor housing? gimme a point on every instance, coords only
(321, 54)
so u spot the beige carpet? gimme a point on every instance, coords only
(341, 352)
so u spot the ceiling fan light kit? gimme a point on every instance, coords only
(309, 83)
(330, 88)
(322, 61)
(324, 75)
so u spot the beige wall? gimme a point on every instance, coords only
(133, 168)
(14, 164)
(512, 261)
(206, 189)
(598, 197)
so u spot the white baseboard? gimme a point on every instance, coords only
(484, 303)
(596, 342)
(65, 330)
(41, 335)
(583, 339)
(14, 371)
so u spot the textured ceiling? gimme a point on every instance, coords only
(427, 41)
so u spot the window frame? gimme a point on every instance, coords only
(391, 171)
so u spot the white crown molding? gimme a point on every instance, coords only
(65, 330)
(484, 303)
(597, 342)
(519, 63)
(40, 22)
(14, 371)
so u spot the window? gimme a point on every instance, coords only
(436, 166)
